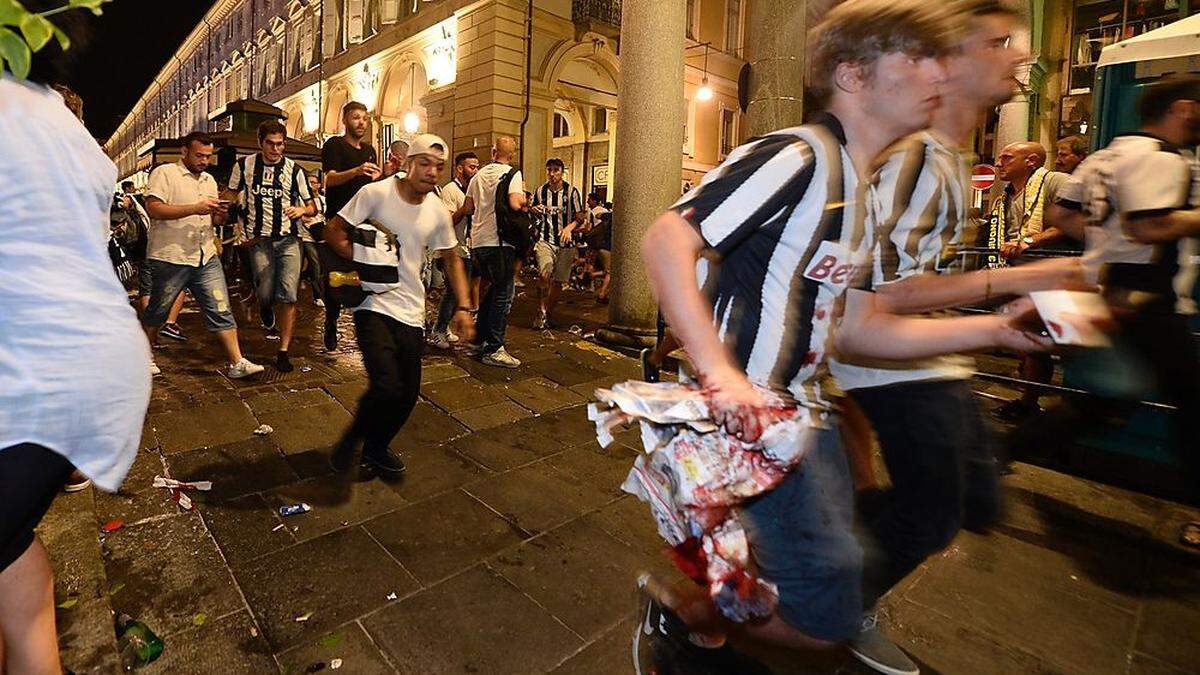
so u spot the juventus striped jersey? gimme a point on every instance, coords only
(266, 190)
(918, 203)
(562, 207)
(781, 213)
(1138, 174)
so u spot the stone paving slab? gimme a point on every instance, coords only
(541, 395)
(539, 497)
(433, 470)
(444, 535)
(277, 401)
(350, 643)
(170, 571)
(1055, 621)
(608, 654)
(228, 644)
(493, 415)
(240, 468)
(427, 426)
(336, 577)
(85, 635)
(337, 501)
(577, 572)
(475, 622)
(317, 427)
(137, 500)
(246, 528)
(203, 426)
(458, 395)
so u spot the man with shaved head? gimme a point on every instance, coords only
(1021, 208)
(491, 255)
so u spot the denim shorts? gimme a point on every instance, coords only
(802, 539)
(276, 266)
(207, 284)
(145, 285)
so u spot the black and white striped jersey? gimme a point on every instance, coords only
(267, 189)
(782, 214)
(1138, 174)
(917, 199)
(562, 207)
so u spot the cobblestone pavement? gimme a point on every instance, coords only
(509, 548)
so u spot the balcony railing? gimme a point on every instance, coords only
(600, 15)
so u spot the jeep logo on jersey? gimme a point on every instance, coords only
(831, 266)
(267, 191)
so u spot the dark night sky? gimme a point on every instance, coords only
(130, 43)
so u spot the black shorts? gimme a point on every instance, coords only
(30, 478)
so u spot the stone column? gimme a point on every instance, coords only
(648, 159)
(1013, 125)
(489, 98)
(774, 38)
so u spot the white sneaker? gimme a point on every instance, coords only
(440, 341)
(154, 369)
(320, 302)
(501, 359)
(540, 322)
(451, 336)
(243, 368)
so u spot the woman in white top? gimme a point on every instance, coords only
(74, 364)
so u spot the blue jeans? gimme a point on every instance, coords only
(276, 265)
(207, 284)
(802, 539)
(496, 266)
(450, 301)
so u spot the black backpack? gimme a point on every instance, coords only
(514, 227)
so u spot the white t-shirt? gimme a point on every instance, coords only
(74, 362)
(417, 227)
(482, 191)
(453, 197)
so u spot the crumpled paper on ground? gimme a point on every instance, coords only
(693, 473)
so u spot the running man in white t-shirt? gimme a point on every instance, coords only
(402, 220)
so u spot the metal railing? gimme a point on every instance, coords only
(606, 12)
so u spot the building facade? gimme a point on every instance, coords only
(544, 71)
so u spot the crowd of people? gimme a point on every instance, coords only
(815, 261)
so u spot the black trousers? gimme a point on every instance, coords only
(940, 457)
(392, 355)
(1164, 352)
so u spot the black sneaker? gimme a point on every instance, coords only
(342, 457)
(268, 317)
(650, 372)
(387, 461)
(282, 363)
(661, 647)
(171, 330)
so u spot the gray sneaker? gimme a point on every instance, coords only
(243, 368)
(501, 358)
(873, 648)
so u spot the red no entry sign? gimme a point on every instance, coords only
(983, 177)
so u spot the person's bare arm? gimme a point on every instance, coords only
(670, 250)
(160, 210)
(1069, 222)
(868, 330)
(516, 201)
(467, 209)
(1163, 228)
(336, 178)
(929, 292)
(337, 236)
(456, 275)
